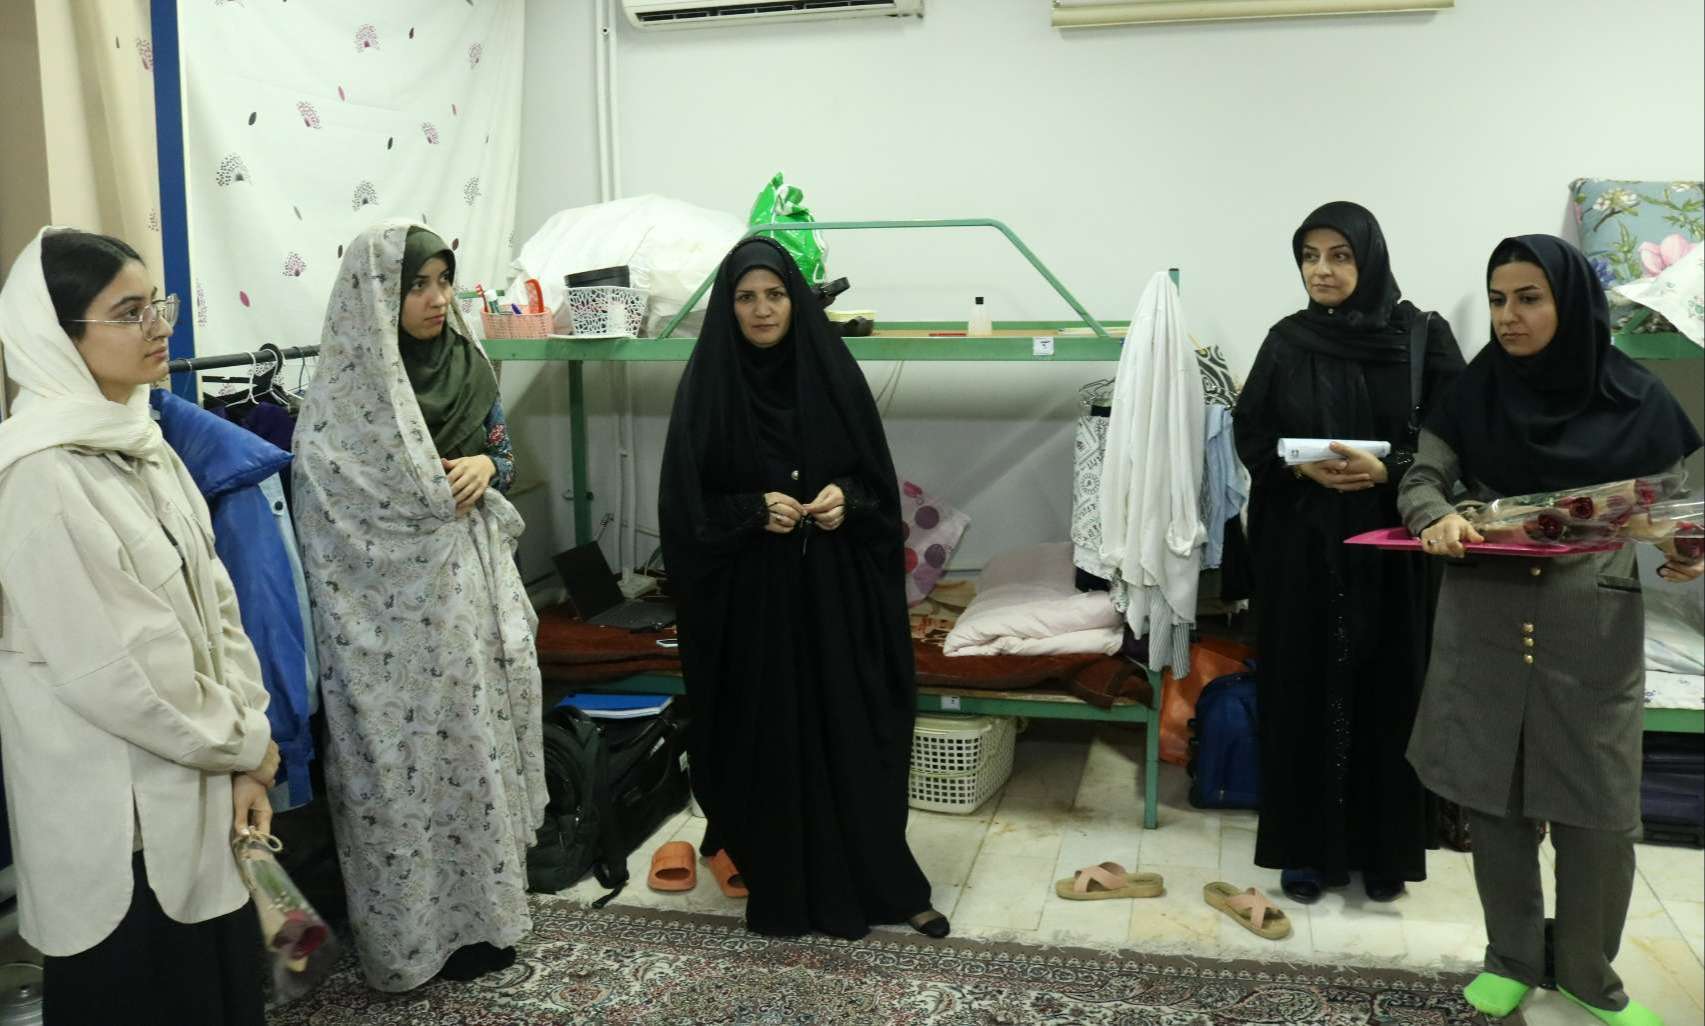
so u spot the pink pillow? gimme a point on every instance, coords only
(931, 530)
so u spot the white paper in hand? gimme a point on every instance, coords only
(1297, 451)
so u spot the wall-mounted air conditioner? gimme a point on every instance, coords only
(662, 14)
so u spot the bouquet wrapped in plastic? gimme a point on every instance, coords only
(303, 948)
(1647, 509)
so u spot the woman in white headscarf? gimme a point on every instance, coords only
(132, 715)
(430, 680)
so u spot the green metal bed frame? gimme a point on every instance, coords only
(1099, 346)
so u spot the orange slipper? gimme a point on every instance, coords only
(727, 876)
(672, 868)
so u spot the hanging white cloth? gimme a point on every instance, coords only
(1151, 524)
(429, 675)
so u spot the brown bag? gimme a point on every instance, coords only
(1210, 659)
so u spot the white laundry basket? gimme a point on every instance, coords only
(959, 762)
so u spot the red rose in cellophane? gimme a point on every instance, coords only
(1546, 527)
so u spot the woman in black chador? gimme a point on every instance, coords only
(782, 538)
(1343, 629)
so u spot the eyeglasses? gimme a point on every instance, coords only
(160, 310)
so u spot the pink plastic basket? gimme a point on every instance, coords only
(501, 325)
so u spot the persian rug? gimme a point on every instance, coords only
(643, 967)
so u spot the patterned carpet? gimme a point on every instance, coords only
(641, 967)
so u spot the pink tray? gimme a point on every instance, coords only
(1398, 539)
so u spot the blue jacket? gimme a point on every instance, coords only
(229, 465)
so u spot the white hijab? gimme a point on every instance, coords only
(57, 401)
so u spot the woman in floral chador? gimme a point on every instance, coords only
(430, 681)
(1533, 704)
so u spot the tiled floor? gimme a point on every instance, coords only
(1073, 800)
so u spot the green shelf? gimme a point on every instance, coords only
(1678, 721)
(1658, 345)
(1083, 340)
(887, 348)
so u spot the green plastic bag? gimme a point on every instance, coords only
(778, 202)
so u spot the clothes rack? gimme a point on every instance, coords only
(275, 355)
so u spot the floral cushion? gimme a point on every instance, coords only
(1634, 230)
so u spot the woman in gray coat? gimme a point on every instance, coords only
(1533, 702)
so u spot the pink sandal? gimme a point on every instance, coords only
(1250, 909)
(1109, 880)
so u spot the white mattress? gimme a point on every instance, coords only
(1666, 690)
(1675, 631)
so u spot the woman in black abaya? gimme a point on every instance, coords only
(1342, 629)
(781, 535)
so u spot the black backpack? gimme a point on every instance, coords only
(579, 832)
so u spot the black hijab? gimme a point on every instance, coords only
(452, 380)
(1371, 325)
(772, 387)
(740, 409)
(1578, 412)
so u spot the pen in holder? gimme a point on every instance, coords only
(302, 946)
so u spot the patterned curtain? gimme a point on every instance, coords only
(306, 123)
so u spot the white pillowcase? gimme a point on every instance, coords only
(1678, 293)
(1028, 604)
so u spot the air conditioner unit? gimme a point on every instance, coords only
(666, 14)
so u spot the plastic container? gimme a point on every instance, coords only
(608, 311)
(980, 323)
(617, 276)
(20, 994)
(959, 762)
(509, 325)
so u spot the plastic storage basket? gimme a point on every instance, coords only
(509, 325)
(608, 310)
(959, 762)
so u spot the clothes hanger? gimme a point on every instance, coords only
(1096, 393)
(254, 367)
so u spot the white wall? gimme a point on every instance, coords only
(1115, 153)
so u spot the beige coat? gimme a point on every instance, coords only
(119, 709)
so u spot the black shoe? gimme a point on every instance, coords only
(1301, 885)
(476, 960)
(1381, 889)
(930, 923)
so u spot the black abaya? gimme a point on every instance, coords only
(1342, 636)
(796, 648)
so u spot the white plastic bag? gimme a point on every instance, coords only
(670, 247)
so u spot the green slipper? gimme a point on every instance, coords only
(1635, 1014)
(1494, 995)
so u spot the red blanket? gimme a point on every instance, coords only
(571, 651)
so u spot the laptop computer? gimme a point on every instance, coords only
(597, 599)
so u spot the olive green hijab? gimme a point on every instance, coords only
(452, 379)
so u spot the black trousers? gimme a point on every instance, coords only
(154, 971)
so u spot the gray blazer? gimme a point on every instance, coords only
(1539, 659)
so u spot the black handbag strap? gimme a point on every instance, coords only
(1417, 368)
